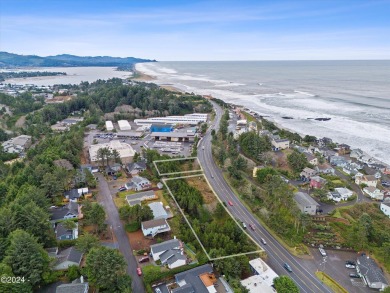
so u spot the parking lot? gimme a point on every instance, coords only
(334, 266)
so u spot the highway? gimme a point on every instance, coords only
(277, 254)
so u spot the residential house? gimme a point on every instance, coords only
(70, 211)
(280, 144)
(385, 207)
(307, 173)
(365, 159)
(314, 149)
(154, 227)
(263, 278)
(113, 169)
(63, 233)
(311, 159)
(136, 167)
(343, 149)
(157, 249)
(173, 258)
(340, 193)
(324, 141)
(317, 182)
(301, 149)
(368, 180)
(350, 169)
(66, 258)
(197, 280)
(338, 161)
(137, 198)
(374, 192)
(326, 153)
(356, 153)
(90, 168)
(75, 194)
(306, 203)
(324, 169)
(372, 274)
(77, 286)
(158, 210)
(138, 183)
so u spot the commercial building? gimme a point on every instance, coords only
(126, 152)
(174, 136)
(306, 203)
(189, 119)
(17, 144)
(161, 128)
(124, 125)
(109, 125)
(263, 278)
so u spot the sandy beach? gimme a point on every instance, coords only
(142, 76)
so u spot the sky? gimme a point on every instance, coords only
(198, 30)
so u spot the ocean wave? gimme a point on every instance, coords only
(304, 93)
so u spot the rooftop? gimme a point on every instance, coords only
(304, 199)
(158, 210)
(191, 278)
(370, 270)
(154, 223)
(266, 273)
(169, 244)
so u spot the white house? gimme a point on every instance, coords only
(157, 249)
(374, 192)
(66, 258)
(280, 144)
(368, 180)
(385, 207)
(109, 125)
(154, 227)
(158, 210)
(311, 159)
(263, 278)
(345, 193)
(138, 183)
(324, 169)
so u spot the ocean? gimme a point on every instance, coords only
(354, 94)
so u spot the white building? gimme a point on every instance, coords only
(368, 180)
(345, 193)
(125, 150)
(124, 125)
(385, 207)
(158, 210)
(17, 144)
(109, 125)
(189, 119)
(280, 144)
(374, 192)
(263, 278)
(154, 227)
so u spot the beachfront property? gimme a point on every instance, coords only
(17, 145)
(138, 198)
(338, 161)
(307, 173)
(306, 203)
(126, 152)
(343, 149)
(263, 278)
(124, 125)
(109, 125)
(368, 180)
(188, 119)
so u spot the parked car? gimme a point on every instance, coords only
(322, 251)
(230, 203)
(350, 262)
(354, 275)
(287, 267)
(263, 241)
(252, 227)
(157, 290)
(348, 266)
(143, 259)
(122, 188)
(139, 271)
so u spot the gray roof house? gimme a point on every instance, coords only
(63, 233)
(173, 258)
(338, 161)
(68, 257)
(136, 167)
(77, 286)
(308, 173)
(154, 227)
(191, 281)
(75, 194)
(69, 211)
(306, 203)
(157, 249)
(138, 183)
(137, 198)
(158, 210)
(372, 274)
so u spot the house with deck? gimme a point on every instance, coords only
(154, 227)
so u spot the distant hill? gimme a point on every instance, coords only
(15, 60)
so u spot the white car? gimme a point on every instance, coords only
(322, 251)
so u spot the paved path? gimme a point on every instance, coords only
(277, 254)
(105, 199)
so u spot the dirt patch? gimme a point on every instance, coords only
(201, 184)
(138, 241)
(59, 99)
(20, 122)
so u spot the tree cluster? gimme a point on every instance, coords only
(253, 145)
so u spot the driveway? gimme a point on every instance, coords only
(113, 220)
